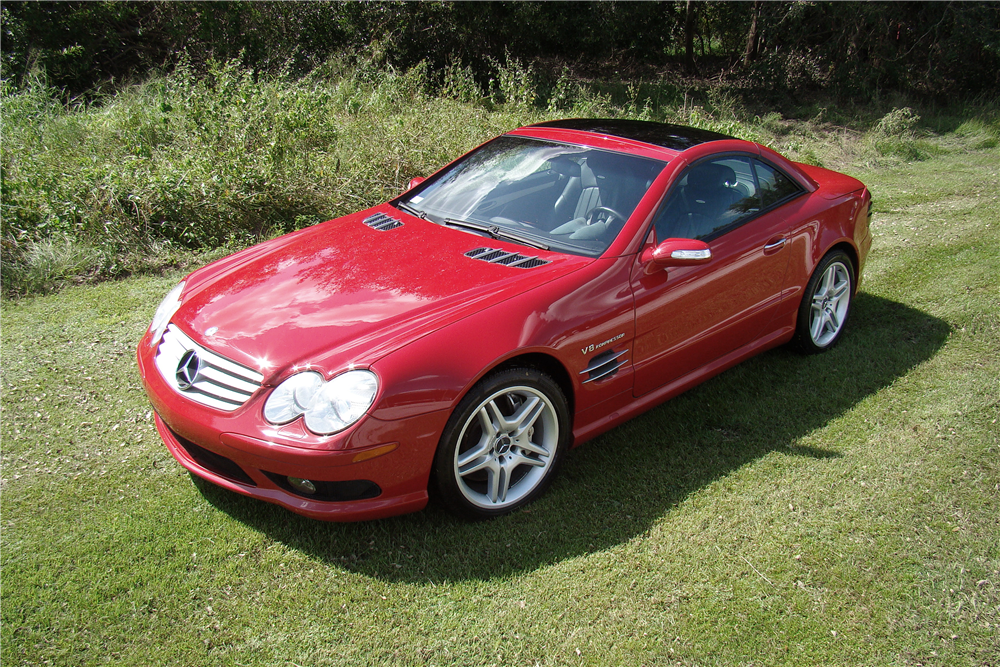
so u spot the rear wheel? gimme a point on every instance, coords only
(502, 445)
(825, 304)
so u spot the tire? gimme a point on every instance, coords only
(502, 445)
(826, 304)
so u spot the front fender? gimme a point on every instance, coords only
(567, 320)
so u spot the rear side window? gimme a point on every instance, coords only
(774, 186)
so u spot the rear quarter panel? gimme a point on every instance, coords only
(835, 214)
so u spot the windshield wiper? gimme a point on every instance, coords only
(412, 211)
(495, 232)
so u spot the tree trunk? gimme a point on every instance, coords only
(689, 39)
(753, 37)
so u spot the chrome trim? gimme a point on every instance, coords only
(604, 365)
(220, 383)
(705, 253)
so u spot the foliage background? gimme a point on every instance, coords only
(936, 49)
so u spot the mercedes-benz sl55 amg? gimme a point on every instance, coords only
(461, 338)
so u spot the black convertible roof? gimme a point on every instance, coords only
(674, 137)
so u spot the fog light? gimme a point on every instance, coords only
(302, 485)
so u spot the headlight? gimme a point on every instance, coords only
(171, 302)
(328, 406)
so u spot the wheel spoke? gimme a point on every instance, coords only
(482, 448)
(517, 460)
(499, 481)
(529, 446)
(818, 319)
(834, 321)
(824, 284)
(475, 466)
(525, 417)
(491, 412)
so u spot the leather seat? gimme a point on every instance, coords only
(707, 199)
(580, 195)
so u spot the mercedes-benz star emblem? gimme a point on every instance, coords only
(187, 370)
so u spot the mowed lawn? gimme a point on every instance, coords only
(841, 509)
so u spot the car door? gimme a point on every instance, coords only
(689, 316)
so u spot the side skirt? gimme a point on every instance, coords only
(588, 431)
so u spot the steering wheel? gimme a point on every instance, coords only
(604, 209)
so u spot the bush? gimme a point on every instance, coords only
(897, 123)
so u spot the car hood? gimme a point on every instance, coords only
(343, 294)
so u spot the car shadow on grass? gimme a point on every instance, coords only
(617, 486)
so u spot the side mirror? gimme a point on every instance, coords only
(414, 182)
(676, 252)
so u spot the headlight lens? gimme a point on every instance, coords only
(328, 406)
(171, 302)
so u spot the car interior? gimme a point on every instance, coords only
(710, 197)
(583, 198)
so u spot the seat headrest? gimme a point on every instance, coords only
(565, 166)
(587, 177)
(711, 176)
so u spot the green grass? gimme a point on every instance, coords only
(836, 509)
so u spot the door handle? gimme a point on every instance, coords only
(774, 246)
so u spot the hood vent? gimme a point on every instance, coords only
(382, 222)
(494, 256)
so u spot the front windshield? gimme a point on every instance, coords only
(559, 196)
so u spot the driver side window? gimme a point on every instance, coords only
(711, 197)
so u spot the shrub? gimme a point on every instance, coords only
(897, 123)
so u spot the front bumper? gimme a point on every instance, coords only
(372, 470)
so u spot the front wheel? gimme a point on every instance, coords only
(825, 304)
(501, 446)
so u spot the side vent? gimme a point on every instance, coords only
(604, 366)
(494, 256)
(382, 222)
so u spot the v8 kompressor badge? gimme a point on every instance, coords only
(592, 347)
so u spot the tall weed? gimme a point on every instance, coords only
(895, 136)
(515, 83)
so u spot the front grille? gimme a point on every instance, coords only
(495, 256)
(211, 379)
(382, 222)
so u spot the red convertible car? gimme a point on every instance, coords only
(458, 340)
